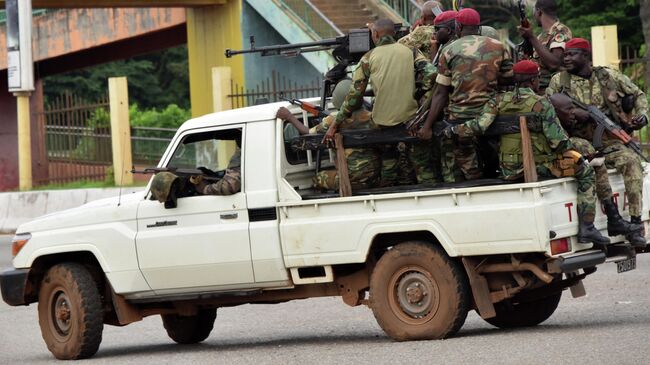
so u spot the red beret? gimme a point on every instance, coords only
(525, 67)
(578, 43)
(445, 16)
(468, 16)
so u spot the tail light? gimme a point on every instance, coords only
(560, 246)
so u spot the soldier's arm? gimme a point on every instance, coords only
(628, 87)
(354, 99)
(553, 85)
(425, 71)
(557, 137)
(551, 57)
(439, 99)
(478, 126)
(228, 185)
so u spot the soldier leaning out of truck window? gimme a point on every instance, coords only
(364, 164)
(231, 181)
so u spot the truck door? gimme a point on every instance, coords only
(204, 241)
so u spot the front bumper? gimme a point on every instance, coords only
(13, 284)
(577, 261)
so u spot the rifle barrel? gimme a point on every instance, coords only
(273, 50)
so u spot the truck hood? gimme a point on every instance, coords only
(94, 212)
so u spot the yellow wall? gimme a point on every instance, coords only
(210, 30)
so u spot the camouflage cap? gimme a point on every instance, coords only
(162, 184)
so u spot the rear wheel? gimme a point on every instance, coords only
(70, 312)
(526, 314)
(417, 292)
(190, 329)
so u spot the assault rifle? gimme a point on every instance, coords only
(603, 123)
(524, 48)
(310, 108)
(204, 172)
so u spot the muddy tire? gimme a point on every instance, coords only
(70, 312)
(418, 293)
(190, 329)
(524, 314)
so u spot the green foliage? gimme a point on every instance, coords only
(170, 117)
(155, 80)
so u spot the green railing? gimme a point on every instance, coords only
(3, 14)
(409, 10)
(318, 23)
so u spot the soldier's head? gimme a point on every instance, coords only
(381, 28)
(430, 10)
(526, 74)
(577, 56)
(445, 26)
(564, 109)
(544, 8)
(164, 187)
(468, 22)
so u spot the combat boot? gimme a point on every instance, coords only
(615, 223)
(637, 238)
(587, 232)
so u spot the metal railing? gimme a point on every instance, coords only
(635, 66)
(409, 10)
(271, 89)
(313, 18)
(148, 144)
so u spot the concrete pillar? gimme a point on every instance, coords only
(604, 46)
(120, 130)
(24, 141)
(210, 30)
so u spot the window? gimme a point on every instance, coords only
(202, 149)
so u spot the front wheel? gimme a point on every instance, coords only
(190, 329)
(525, 314)
(70, 312)
(418, 293)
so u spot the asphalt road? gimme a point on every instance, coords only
(609, 326)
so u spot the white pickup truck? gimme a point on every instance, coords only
(419, 257)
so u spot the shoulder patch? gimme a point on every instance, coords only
(538, 107)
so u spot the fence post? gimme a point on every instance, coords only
(604, 46)
(221, 85)
(120, 130)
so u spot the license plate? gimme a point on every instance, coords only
(626, 265)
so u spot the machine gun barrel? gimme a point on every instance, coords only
(281, 49)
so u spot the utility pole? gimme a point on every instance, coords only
(21, 79)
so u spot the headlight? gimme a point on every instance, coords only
(18, 242)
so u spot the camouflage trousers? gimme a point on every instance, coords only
(585, 179)
(416, 164)
(626, 162)
(364, 168)
(460, 159)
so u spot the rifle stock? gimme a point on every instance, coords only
(207, 174)
(525, 47)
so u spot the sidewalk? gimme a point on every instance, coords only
(20, 207)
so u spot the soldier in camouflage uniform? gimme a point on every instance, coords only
(610, 91)
(554, 154)
(392, 69)
(467, 78)
(419, 38)
(230, 183)
(549, 44)
(364, 164)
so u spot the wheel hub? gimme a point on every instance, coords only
(62, 313)
(416, 294)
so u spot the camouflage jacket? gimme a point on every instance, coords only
(547, 141)
(393, 82)
(471, 65)
(556, 37)
(419, 38)
(231, 181)
(604, 89)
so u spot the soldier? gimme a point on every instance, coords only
(391, 68)
(430, 10)
(445, 33)
(230, 183)
(554, 153)
(615, 95)
(616, 225)
(364, 164)
(549, 44)
(467, 78)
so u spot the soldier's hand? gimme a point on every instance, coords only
(329, 136)
(425, 134)
(196, 179)
(525, 32)
(283, 113)
(638, 122)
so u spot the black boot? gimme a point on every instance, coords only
(615, 223)
(637, 238)
(588, 233)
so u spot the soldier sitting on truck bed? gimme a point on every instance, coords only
(364, 164)
(554, 153)
(391, 70)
